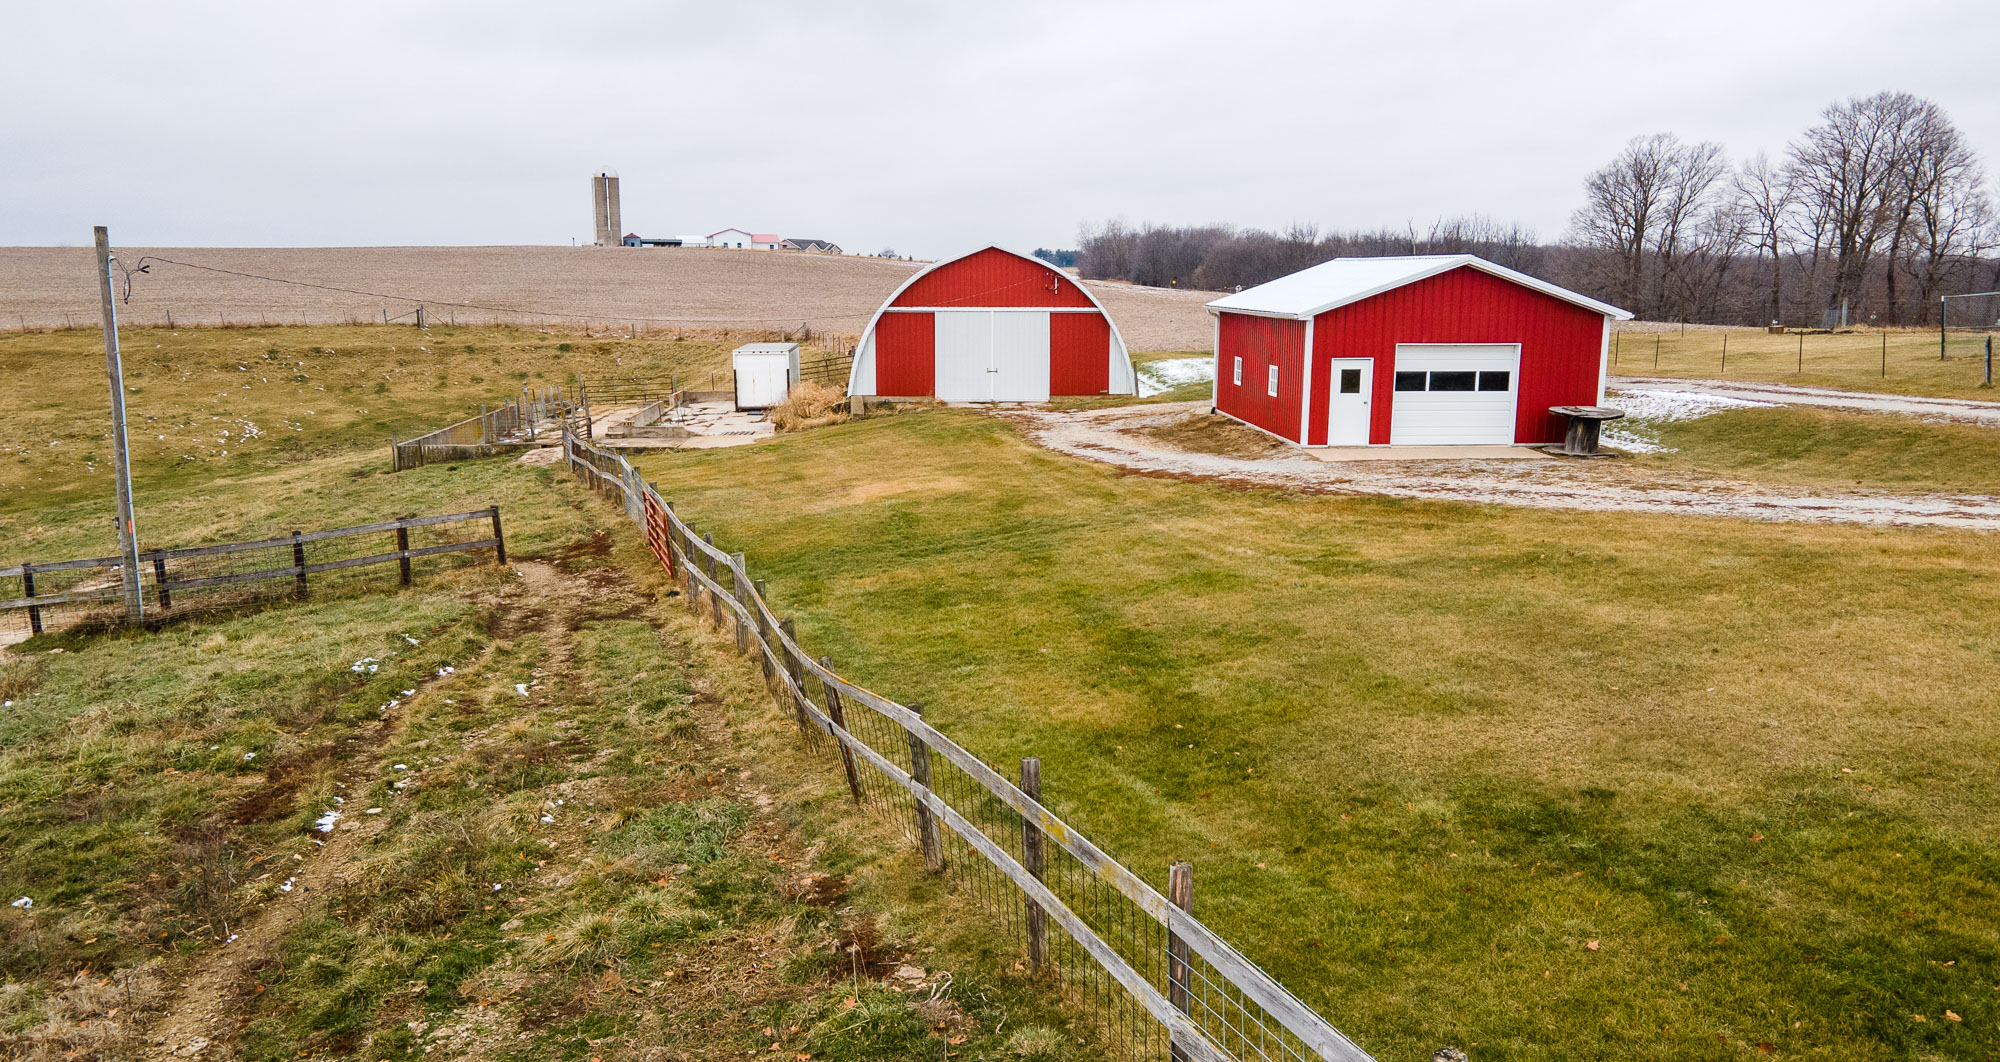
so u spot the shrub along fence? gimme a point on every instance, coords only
(38, 597)
(1156, 982)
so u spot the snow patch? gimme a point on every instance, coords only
(1156, 377)
(1645, 411)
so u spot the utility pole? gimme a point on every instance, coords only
(128, 537)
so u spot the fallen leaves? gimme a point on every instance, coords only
(1591, 945)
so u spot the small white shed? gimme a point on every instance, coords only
(765, 373)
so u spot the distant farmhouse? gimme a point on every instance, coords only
(604, 204)
(735, 239)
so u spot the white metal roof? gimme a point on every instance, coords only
(1336, 283)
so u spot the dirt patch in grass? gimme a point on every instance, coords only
(1213, 433)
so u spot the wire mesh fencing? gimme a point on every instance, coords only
(1131, 962)
(41, 597)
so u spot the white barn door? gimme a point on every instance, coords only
(963, 341)
(992, 355)
(1020, 356)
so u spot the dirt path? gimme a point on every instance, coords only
(1115, 436)
(195, 1019)
(1960, 409)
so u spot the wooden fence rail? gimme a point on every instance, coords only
(535, 417)
(167, 576)
(1157, 982)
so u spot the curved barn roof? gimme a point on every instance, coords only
(868, 333)
(1333, 284)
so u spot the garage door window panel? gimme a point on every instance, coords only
(1410, 381)
(1454, 381)
(1496, 381)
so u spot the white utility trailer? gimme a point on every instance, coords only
(765, 373)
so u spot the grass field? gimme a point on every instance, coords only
(216, 405)
(608, 865)
(1850, 361)
(1833, 449)
(1558, 785)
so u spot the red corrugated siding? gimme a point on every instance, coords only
(1079, 354)
(1560, 344)
(993, 277)
(905, 358)
(1261, 342)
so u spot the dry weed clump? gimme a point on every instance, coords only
(810, 405)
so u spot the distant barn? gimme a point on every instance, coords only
(991, 326)
(1427, 349)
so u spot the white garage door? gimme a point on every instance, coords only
(1450, 393)
(992, 355)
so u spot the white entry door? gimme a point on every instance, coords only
(992, 355)
(1347, 413)
(1448, 393)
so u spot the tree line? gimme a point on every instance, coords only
(1868, 216)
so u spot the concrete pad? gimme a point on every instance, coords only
(1425, 453)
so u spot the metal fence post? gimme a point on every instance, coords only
(403, 548)
(160, 581)
(920, 770)
(499, 540)
(835, 709)
(1180, 893)
(1031, 858)
(28, 590)
(299, 563)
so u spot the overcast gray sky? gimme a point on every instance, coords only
(926, 127)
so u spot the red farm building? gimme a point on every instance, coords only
(1430, 349)
(991, 326)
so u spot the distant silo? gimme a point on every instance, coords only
(604, 203)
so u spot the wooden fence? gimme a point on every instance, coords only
(832, 369)
(1156, 982)
(55, 594)
(534, 418)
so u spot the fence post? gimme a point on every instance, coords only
(403, 548)
(763, 632)
(28, 590)
(1180, 893)
(927, 831)
(499, 540)
(738, 591)
(299, 563)
(1031, 856)
(838, 711)
(395, 454)
(160, 581)
(797, 691)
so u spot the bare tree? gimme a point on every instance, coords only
(1765, 198)
(1642, 208)
(1850, 166)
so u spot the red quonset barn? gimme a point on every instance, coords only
(991, 326)
(1430, 349)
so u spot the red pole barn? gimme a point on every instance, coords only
(1427, 349)
(991, 326)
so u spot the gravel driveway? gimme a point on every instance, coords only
(1114, 436)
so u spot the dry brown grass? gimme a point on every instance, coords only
(655, 290)
(1213, 433)
(810, 405)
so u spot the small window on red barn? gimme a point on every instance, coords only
(1272, 388)
(1350, 381)
(1238, 378)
